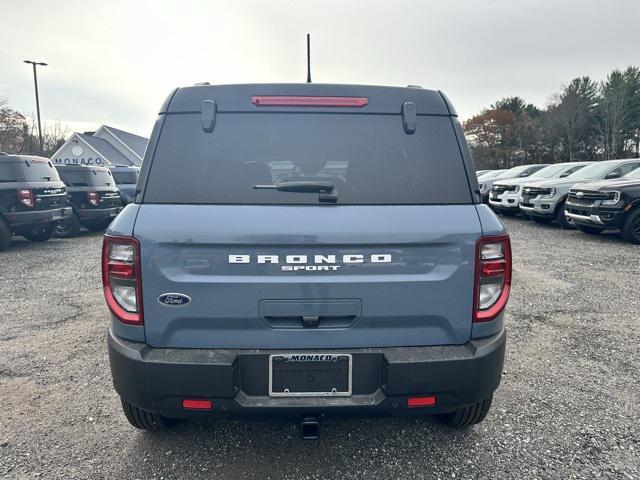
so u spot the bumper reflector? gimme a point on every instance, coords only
(193, 404)
(413, 402)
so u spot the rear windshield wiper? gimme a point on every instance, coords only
(326, 190)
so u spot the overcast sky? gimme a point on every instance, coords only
(114, 62)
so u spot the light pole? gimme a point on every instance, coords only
(35, 81)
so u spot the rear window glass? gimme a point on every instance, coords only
(39, 171)
(74, 179)
(122, 178)
(7, 173)
(368, 158)
(90, 178)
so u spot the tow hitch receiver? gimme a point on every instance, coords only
(310, 427)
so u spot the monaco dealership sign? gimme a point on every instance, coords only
(79, 161)
(74, 153)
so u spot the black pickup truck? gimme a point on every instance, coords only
(94, 197)
(609, 204)
(32, 198)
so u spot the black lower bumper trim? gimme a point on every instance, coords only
(25, 220)
(98, 214)
(157, 379)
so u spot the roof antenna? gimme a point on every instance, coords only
(308, 58)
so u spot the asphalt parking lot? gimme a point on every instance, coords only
(568, 407)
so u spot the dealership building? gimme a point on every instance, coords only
(107, 146)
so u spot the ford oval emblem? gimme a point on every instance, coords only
(174, 299)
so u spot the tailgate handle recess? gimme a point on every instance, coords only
(313, 321)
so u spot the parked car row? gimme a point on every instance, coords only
(592, 196)
(38, 199)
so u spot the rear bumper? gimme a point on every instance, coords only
(23, 220)
(98, 214)
(157, 379)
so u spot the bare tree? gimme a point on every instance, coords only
(54, 135)
(11, 128)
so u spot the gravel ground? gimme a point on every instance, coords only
(567, 407)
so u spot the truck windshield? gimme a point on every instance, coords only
(369, 160)
(39, 171)
(550, 171)
(593, 171)
(633, 174)
(513, 172)
(490, 175)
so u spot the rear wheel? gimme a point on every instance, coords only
(590, 230)
(68, 228)
(467, 416)
(5, 235)
(145, 420)
(631, 228)
(39, 234)
(562, 219)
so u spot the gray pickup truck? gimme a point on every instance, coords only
(306, 250)
(544, 199)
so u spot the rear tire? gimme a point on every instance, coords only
(562, 219)
(631, 228)
(590, 230)
(145, 420)
(5, 235)
(467, 416)
(39, 234)
(543, 220)
(68, 228)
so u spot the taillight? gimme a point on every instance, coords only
(493, 277)
(121, 278)
(93, 198)
(26, 197)
(305, 101)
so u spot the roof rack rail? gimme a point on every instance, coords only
(414, 86)
(201, 83)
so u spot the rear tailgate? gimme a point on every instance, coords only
(109, 197)
(407, 278)
(50, 195)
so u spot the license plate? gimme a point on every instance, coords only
(59, 215)
(310, 375)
